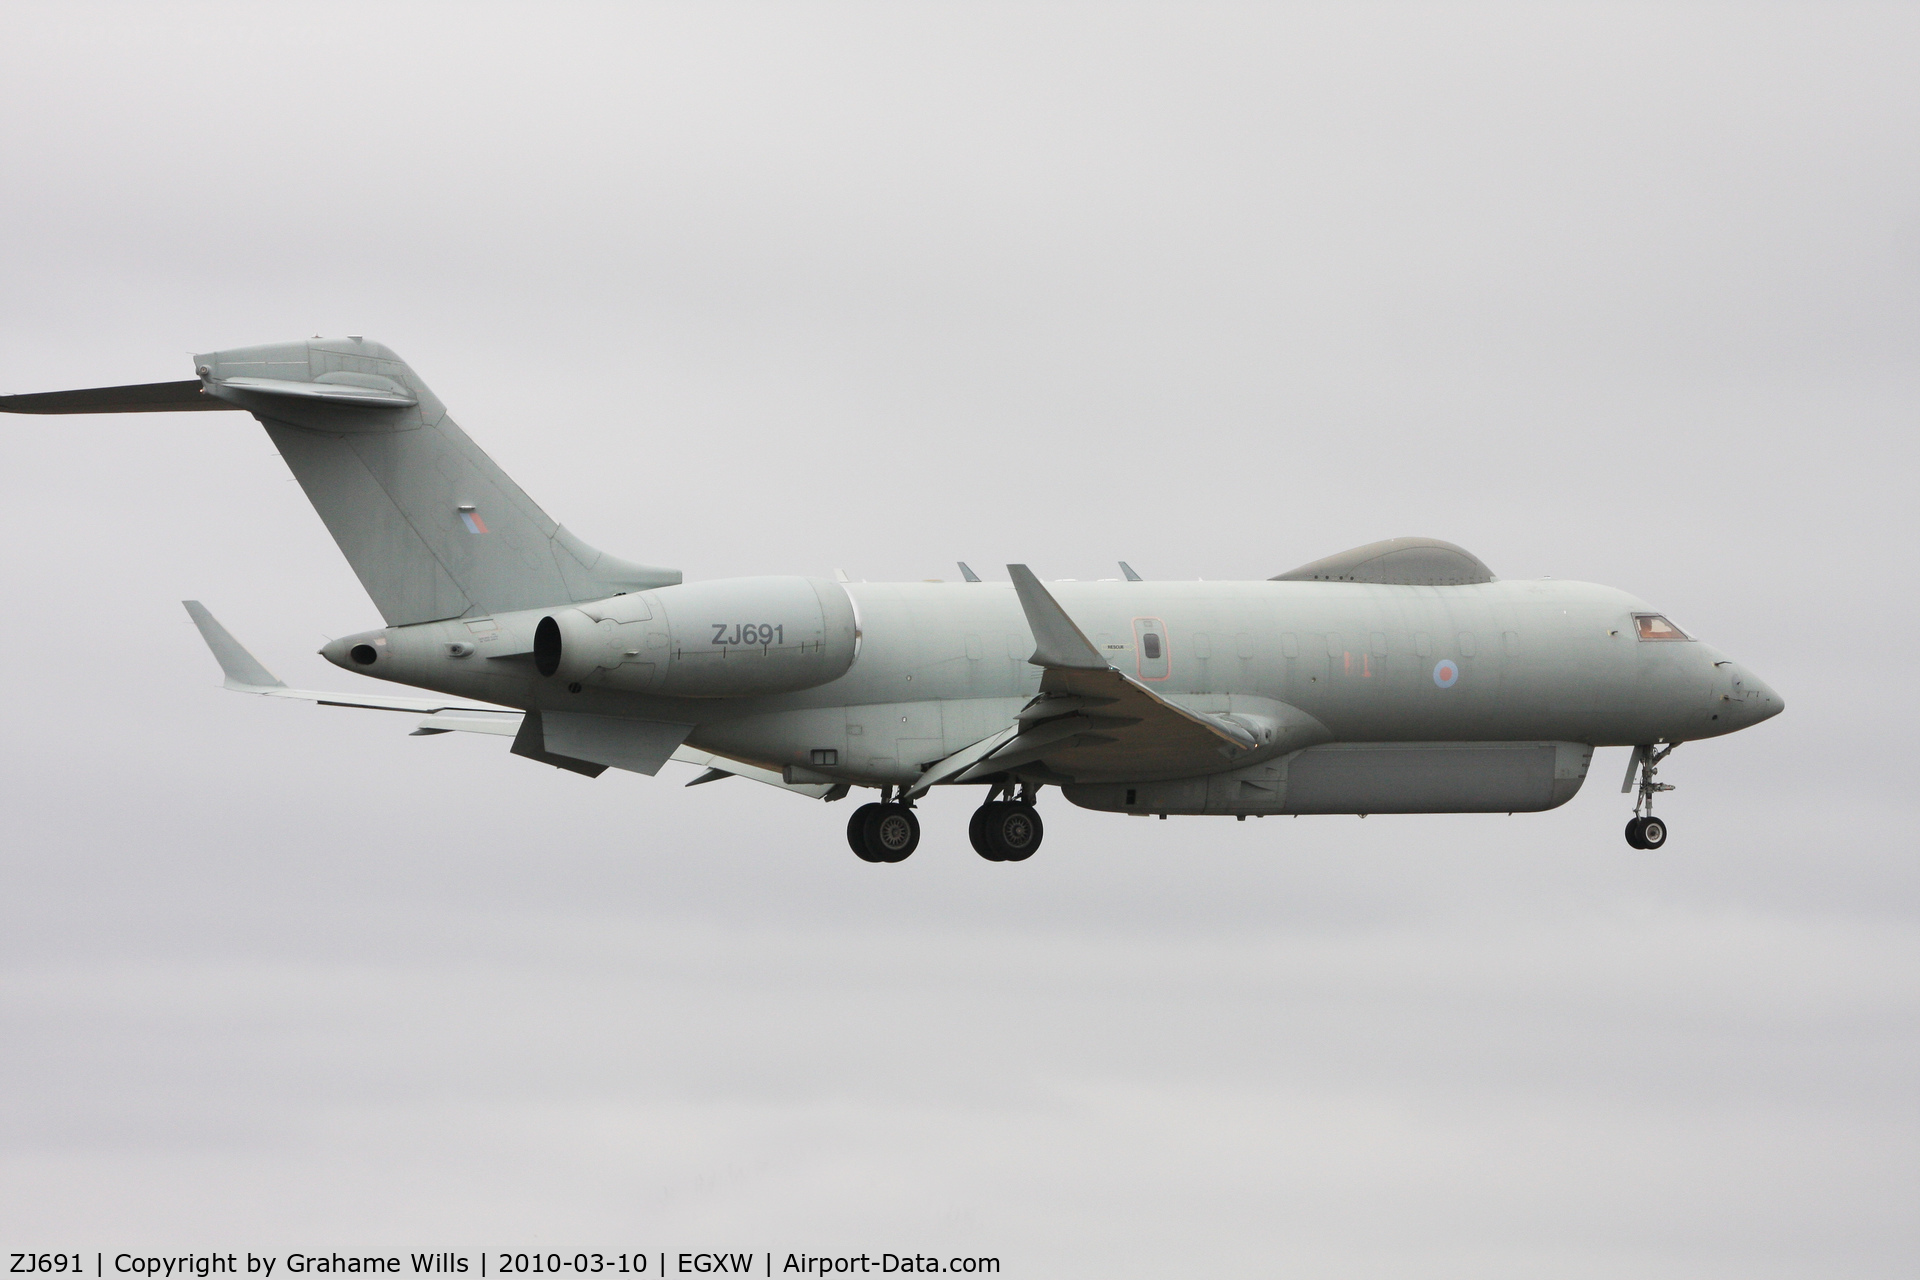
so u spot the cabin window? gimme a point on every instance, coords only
(1423, 644)
(1150, 646)
(1202, 645)
(1466, 644)
(1289, 645)
(1243, 643)
(1378, 643)
(1651, 626)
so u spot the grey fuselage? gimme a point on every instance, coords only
(941, 665)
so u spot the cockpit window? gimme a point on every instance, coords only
(1651, 626)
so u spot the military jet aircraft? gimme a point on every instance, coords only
(1399, 677)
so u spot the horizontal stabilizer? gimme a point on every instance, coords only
(145, 397)
(393, 396)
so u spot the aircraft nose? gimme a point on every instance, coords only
(1755, 700)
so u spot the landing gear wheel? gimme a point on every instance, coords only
(977, 832)
(891, 833)
(1647, 831)
(857, 831)
(1011, 829)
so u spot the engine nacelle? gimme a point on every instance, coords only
(732, 638)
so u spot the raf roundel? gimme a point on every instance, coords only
(1446, 673)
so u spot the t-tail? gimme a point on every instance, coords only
(431, 525)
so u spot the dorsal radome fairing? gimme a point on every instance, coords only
(1407, 562)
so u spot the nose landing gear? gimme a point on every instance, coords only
(1644, 831)
(1006, 830)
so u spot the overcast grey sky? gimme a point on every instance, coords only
(1622, 293)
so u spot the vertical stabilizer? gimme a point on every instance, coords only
(432, 527)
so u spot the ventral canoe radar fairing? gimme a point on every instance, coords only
(1401, 677)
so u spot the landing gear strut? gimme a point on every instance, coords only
(1006, 829)
(1644, 831)
(884, 832)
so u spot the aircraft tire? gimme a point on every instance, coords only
(857, 831)
(977, 832)
(1633, 833)
(1653, 832)
(891, 833)
(1014, 830)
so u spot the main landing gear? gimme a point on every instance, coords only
(1006, 829)
(1644, 831)
(884, 832)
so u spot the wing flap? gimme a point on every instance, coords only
(718, 767)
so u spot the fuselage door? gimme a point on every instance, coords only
(1150, 643)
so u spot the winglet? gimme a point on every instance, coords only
(1057, 641)
(966, 573)
(1128, 570)
(242, 669)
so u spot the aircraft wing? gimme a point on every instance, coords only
(1092, 722)
(245, 674)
